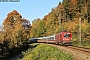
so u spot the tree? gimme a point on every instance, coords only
(88, 9)
(15, 32)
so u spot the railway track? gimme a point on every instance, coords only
(80, 48)
(78, 53)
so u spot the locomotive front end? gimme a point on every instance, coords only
(67, 38)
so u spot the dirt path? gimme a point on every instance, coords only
(78, 55)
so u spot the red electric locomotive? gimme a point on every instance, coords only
(63, 38)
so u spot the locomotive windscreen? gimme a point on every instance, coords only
(66, 35)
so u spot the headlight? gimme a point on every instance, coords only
(63, 39)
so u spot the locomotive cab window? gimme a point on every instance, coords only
(66, 35)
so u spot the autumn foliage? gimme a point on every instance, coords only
(14, 34)
(73, 15)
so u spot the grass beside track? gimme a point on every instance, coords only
(45, 52)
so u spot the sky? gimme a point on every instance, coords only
(29, 9)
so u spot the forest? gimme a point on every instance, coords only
(70, 15)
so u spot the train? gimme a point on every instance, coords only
(62, 38)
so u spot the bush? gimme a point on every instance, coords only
(46, 52)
